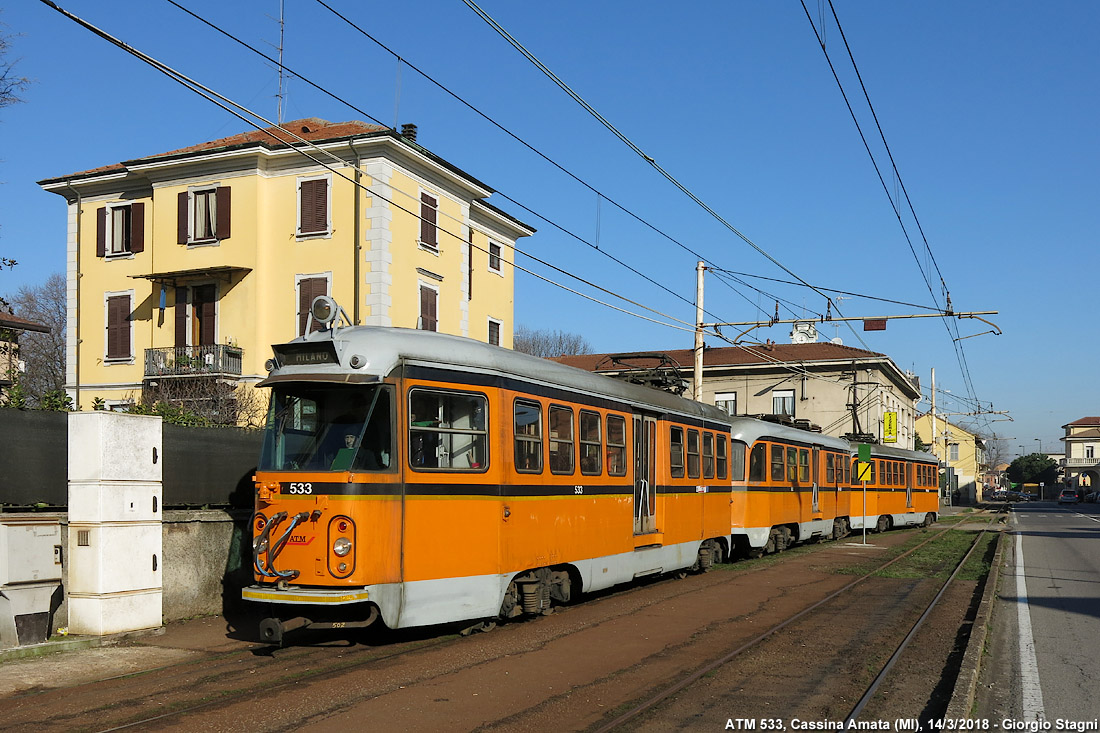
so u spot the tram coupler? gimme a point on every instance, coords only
(272, 630)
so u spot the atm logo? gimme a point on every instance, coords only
(299, 539)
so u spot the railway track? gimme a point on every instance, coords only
(623, 721)
(217, 688)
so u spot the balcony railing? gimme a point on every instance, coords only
(186, 361)
(1082, 461)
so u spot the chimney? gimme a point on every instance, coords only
(408, 131)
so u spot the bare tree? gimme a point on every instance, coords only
(10, 84)
(44, 353)
(10, 87)
(546, 342)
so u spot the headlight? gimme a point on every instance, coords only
(342, 546)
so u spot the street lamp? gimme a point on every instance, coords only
(1040, 444)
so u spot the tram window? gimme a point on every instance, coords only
(792, 463)
(447, 430)
(830, 468)
(778, 472)
(591, 449)
(528, 435)
(804, 465)
(676, 451)
(693, 454)
(737, 459)
(720, 452)
(757, 461)
(616, 445)
(561, 439)
(708, 455)
(328, 428)
(847, 466)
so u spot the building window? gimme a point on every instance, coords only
(494, 332)
(783, 402)
(120, 230)
(953, 452)
(726, 401)
(119, 336)
(204, 215)
(313, 206)
(429, 304)
(309, 288)
(1088, 451)
(494, 257)
(429, 207)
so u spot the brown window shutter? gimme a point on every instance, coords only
(181, 316)
(118, 327)
(204, 299)
(181, 218)
(313, 206)
(428, 298)
(223, 200)
(137, 228)
(428, 204)
(308, 289)
(101, 232)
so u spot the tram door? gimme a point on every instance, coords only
(645, 492)
(909, 470)
(815, 497)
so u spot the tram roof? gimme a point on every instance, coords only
(385, 349)
(749, 429)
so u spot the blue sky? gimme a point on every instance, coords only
(990, 111)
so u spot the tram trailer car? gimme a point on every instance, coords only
(421, 478)
(795, 489)
(800, 486)
(902, 490)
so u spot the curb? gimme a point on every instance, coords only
(966, 684)
(63, 644)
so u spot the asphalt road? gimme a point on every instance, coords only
(1048, 643)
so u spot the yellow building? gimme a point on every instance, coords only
(189, 264)
(961, 454)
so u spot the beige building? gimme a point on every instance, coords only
(961, 454)
(187, 265)
(1082, 453)
(811, 383)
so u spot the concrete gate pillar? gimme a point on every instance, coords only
(115, 533)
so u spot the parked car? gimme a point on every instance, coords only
(1090, 498)
(1068, 496)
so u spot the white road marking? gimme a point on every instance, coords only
(1031, 695)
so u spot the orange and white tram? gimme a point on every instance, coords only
(422, 478)
(902, 490)
(795, 489)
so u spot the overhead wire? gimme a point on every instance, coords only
(948, 323)
(543, 217)
(225, 103)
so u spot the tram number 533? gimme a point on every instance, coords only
(296, 487)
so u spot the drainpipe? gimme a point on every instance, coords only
(76, 326)
(356, 234)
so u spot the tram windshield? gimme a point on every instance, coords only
(314, 427)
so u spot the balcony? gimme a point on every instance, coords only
(214, 360)
(1081, 461)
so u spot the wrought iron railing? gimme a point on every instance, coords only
(183, 361)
